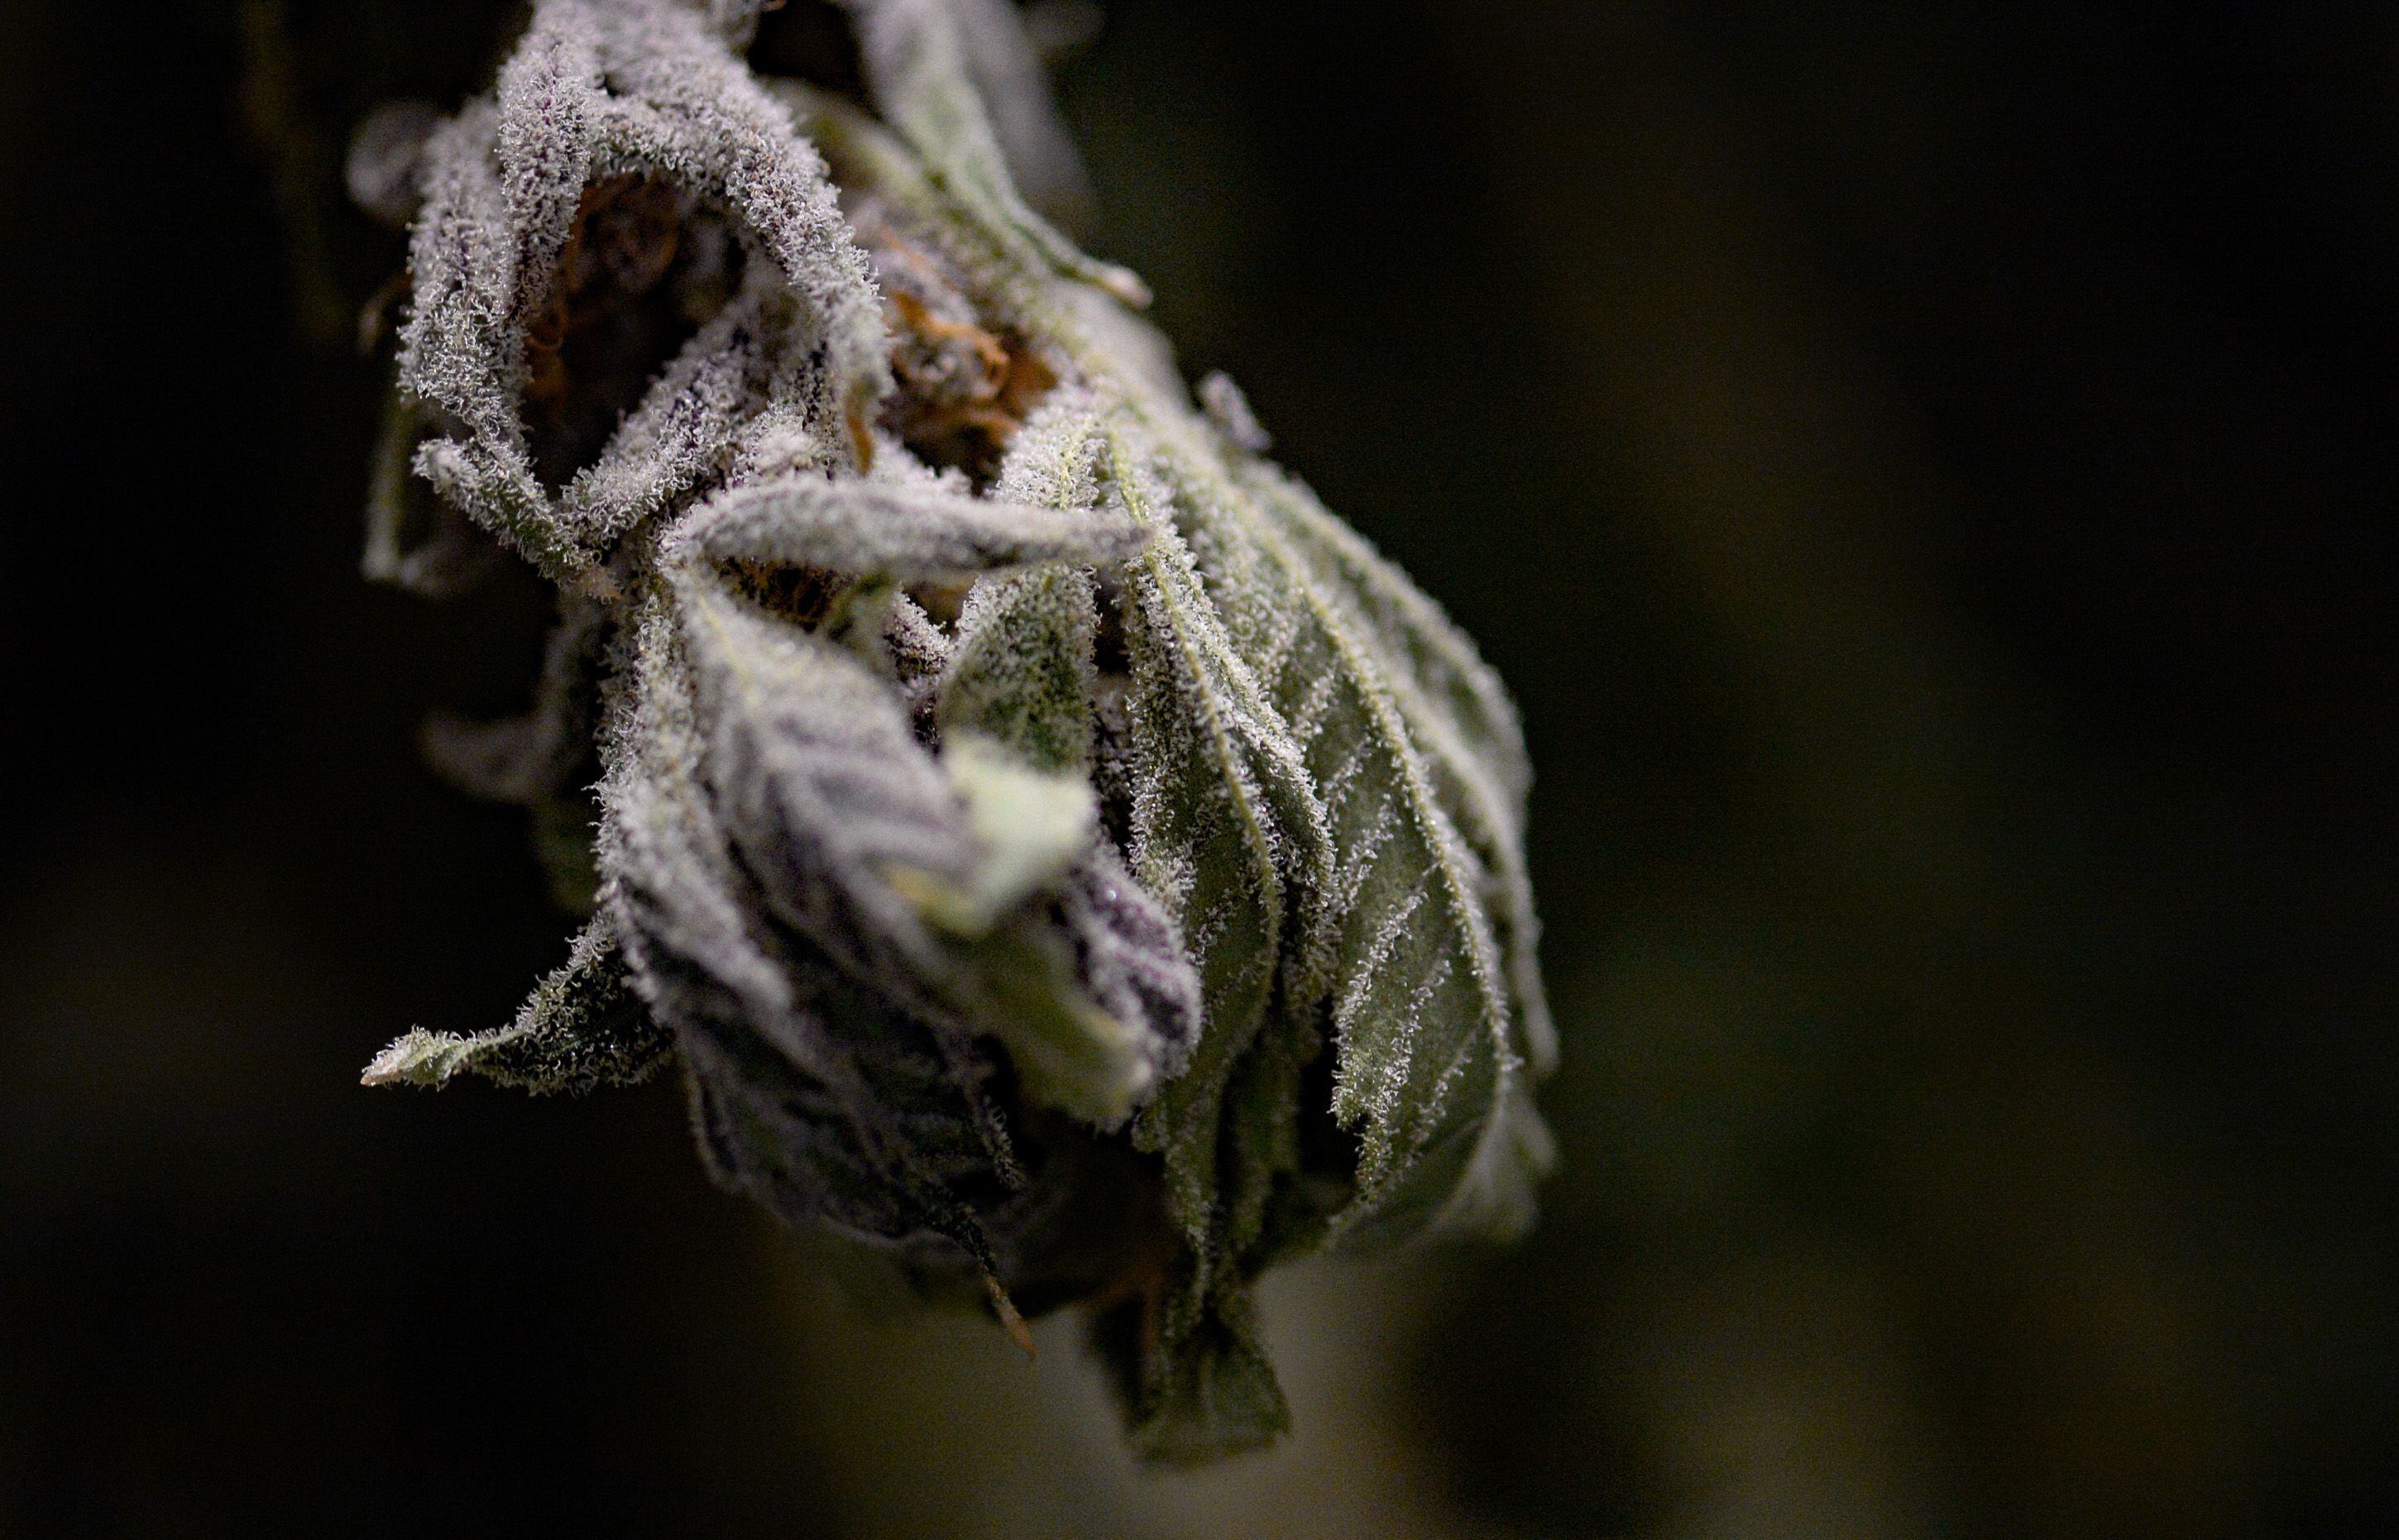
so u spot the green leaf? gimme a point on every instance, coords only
(1458, 711)
(581, 1030)
(1022, 676)
(1422, 1010)
(1212, 1396)
(1022, 671)
(917, 68)
(1225, 828)
(1229, 834)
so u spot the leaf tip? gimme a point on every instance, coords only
(417, 1058)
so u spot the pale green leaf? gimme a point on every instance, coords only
(913, 532)
(1030, 826)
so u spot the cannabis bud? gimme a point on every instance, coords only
(1061, 856)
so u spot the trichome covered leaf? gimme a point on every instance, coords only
(1063, 858)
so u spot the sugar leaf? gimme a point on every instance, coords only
(913, 532)
(917, 65)
(582, 1029)
(600, 88)
(1030, 827)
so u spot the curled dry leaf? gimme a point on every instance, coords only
(1061, 856)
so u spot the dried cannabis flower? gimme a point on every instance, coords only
(1062, 855)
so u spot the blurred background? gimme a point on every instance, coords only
(1924, 470)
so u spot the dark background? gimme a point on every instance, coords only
(1925, 472)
